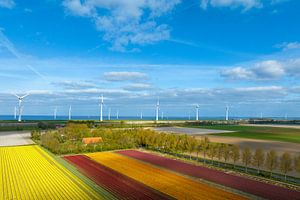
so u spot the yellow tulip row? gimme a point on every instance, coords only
(177, 186)
(28, 172)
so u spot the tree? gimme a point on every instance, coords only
(258, 159)
(271, 161)
(226, 152)
(246, 157)
(205, 146)
(219, 151)
(297, 164)
(198, 148)
(285, 164)
(235, 154)
(212, 151)
(191, 145)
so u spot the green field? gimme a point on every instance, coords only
(261, 133)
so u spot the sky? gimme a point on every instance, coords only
(211, 53)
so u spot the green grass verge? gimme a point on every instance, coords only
(261, 133)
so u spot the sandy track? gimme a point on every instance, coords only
(189, 131)
(15, 138)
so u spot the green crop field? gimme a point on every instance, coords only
(262, 133)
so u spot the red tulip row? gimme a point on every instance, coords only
(257, 188)
(118, 184)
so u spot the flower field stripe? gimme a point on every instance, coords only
(165, 181)
(27, 172)
(118, 184)
(257, 188)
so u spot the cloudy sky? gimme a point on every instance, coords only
(241, 53)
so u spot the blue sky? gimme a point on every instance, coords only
(241, 53)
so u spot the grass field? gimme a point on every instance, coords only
(261, 133)
(28, 172)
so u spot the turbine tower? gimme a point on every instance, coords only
(15, 113)
(70, 112)
(20, 98)
(101, 108)
(109, 111)
(55, 113)
(141, 114)
(227, 113)
(117, 114)
(157, 109)
(197, 112)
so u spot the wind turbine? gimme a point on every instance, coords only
(227, 113)
(55, 113)
(20, 98)
(101, 107)
(117, 114)
(15, 113)
(197, 112)
(162, 115)
(157, 109)
(70, 112)
(109, 111)
(141, 114)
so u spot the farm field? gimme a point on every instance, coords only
(257, 132)
(240, 183)
(116, 183)
(170, 183)
(28, 172)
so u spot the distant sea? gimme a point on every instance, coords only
(48, 117)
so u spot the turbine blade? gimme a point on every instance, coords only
(16, 95)
(24, 96)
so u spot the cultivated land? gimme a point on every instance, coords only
(258, 132)
(27, 172)
(165, 181)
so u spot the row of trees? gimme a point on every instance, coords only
(69, 140)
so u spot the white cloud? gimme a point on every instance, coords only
(285, 46)
(125, 23)
(125, 76)
(237, 73)
(246, 4)
(270, 69)
(138, 87)
(265, 70)
(7, 3)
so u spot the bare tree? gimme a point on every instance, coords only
(205, 146)
(226, 152)
(235, 154)
(219, 151)
(246, 157)
(285, 164)
(258, 159)
(212, 151)
(198, 148)
(271, 161)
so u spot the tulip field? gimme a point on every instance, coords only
(28, 172)
(159, 181)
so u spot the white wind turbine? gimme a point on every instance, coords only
(55, 113)
(70, 112)
(141, 115)
(197, 112)
(101, 107)
(109, 112)
(117, 114)
(157, 109)
(20, 98)
(227, 113)
(15, 113)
